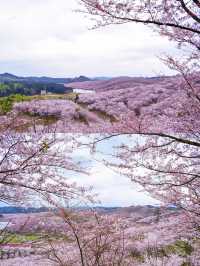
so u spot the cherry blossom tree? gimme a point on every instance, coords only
(178, 20)
(98, 241)
(168, 151)
(34, 163)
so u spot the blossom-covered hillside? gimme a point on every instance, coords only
(147, 100)
(121, 83)
(152, 101)
(144, 236)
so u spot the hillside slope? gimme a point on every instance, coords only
(120, 83)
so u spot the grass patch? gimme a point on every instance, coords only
(24, 238)
(20, 238)
(68, 96)
(180, 247)
(104, 116)
(6, 105)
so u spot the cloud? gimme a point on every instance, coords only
(46, 37)
(112, 188)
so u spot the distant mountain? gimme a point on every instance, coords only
(101, 78)
(7, 77)
(13, 209)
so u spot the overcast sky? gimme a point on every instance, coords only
(46, 37)
(112, 188)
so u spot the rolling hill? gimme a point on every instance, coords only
(7, 77)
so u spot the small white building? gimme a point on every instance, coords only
(43, 92)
